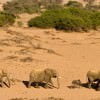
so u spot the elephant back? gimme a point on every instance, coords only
(37, 75)
(93, 74)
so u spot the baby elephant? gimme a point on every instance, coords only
(4, 74)
(43, 76)
(93, 76)
(76, 83)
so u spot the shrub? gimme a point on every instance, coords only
(69, 19)
(47, 2)
(93, 7)
(70, 23)
(82, 13)
(42, 22)
(21, 6)
(74, 4)
(95, 20)
(47, 20)
(20, 24)
(6, 19)
(53, 6)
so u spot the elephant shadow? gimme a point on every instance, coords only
(93, 86)
(34, 84)
(85, 85)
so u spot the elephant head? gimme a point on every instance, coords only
(51, 73)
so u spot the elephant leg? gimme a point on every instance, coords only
(2, 84)
(8, 82)
(37, 85)
(89, 83)
(49, 84)
(46, 85)
(29, 84)
(98, 86)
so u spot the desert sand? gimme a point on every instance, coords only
(71, 54)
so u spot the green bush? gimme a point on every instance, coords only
(70, 23)
(74, 4)
(6, 19)
(84, 14)
(42, 22)
(69, 19)
(21, 6)
(95, 20)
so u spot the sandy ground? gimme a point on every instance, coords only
(71, 54)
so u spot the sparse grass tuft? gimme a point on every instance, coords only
(26, 59)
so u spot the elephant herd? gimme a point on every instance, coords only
(45, 76)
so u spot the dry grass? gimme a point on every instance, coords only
(26, 59)
(49, 98)
(4, 42)
(18, 99)
(12, 57)
(26, 43)
(75, 43)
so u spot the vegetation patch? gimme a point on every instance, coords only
(69, 19)
(74, 4)
(21, 6)
(6, 19)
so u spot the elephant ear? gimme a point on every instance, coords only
(48, 72)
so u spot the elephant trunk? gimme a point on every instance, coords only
(58, 83)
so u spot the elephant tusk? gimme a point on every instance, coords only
(59, 77)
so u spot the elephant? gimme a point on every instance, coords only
(76, 83)
(4, 74)
(43, 76)
(93, 76)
